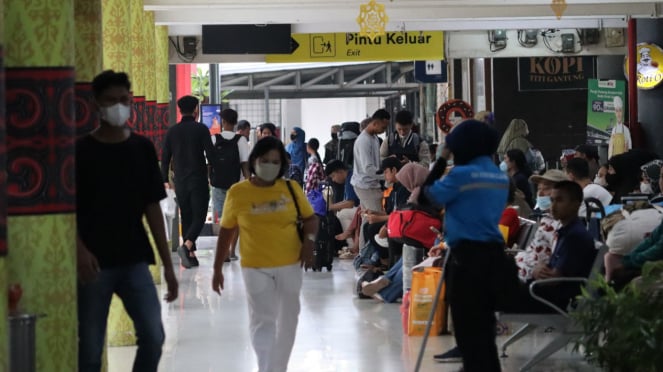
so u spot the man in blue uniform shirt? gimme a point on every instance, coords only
(473, 194)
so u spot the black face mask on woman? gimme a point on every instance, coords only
(293, 137)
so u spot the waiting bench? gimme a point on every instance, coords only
(561, 321)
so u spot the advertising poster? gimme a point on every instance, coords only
(649, 66)
(211, 116)
(601, 112)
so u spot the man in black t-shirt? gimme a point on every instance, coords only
(117, 182)
(186, 145)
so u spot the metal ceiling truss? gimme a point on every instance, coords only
(370, 79)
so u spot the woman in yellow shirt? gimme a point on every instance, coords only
(272, 251)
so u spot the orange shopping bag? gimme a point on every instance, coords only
(424, 285)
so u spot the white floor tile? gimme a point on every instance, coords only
(337, 332)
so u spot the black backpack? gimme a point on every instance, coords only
(226, 169)
(349, 132)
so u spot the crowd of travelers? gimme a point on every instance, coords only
(473, 194)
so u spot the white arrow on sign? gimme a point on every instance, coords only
(434, 67)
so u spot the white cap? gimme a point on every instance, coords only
(643, 50)
(618, 103)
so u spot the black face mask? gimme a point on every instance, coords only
(334, 136)
(293, 137)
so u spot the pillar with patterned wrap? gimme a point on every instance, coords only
(150, 113)
(4, 347)
(138, 66)
(40, 132)
(150, 76)
(115, 35)
(116, 18)
(89, 58)
(163, 94)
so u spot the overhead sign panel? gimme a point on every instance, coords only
(430, 71)
(246, 39)
(351, 47)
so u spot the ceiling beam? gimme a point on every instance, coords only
(319, 78)
(366, 75)
(271, 82)
(331, 13)
(259, 4)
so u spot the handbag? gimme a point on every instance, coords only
(412, 225)
(317, 201)
(300, 221)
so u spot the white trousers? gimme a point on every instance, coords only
(273, 297)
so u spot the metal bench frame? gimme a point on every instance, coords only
(561, 321)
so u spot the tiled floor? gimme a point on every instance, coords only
(337, 332)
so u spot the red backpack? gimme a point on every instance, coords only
(412, 226)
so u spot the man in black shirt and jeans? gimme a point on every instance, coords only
(117, 182)
(187, 144)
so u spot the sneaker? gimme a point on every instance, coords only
(234, 258)
(451, 356)
(194, 261)
(185, 260)
(371, 288)
(347, 256)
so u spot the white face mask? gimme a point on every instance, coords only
(543, 202)
(116, 115)
(267, 171)
(646, 188)
(600, 181)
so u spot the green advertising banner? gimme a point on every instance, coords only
(601, 114)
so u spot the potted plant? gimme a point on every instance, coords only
(623, 331)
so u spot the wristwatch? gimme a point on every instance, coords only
(310, 237)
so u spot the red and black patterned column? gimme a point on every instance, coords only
(40, 140)
(41, 134)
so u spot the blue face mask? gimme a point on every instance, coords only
(543, 202)
(503, 166)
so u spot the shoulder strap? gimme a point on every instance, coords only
(237, 138)
(219, 138)
(294, 198)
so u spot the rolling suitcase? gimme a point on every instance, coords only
(326, 245)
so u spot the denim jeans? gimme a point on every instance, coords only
(218, 200)
(394, 290)
(411, 257)
(135, 287)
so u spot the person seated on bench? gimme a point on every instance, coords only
(651, 249)
(541, 246)
(573, 255)
(345, 205)
(389, 287)
(509, 219)
(395, 199)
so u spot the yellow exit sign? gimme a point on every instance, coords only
(351, 47)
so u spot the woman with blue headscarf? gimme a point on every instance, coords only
(297, 147)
